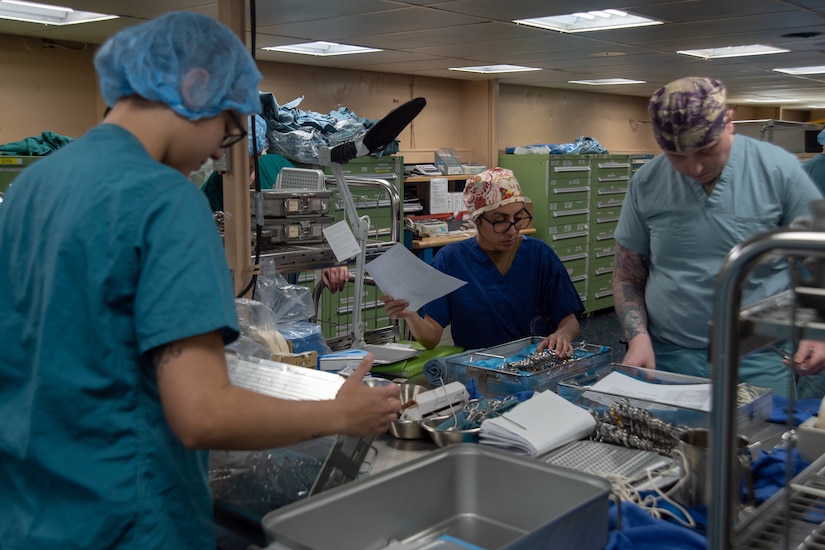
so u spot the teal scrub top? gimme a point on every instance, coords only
(688, 234)
(105, 254)
(815, 166)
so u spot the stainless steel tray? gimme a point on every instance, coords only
(480, 495)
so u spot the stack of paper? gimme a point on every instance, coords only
(537, 426)
(341, 360)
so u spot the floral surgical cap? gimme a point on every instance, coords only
(188, 61)
(489, 190)
(260, 134)
(688, 113)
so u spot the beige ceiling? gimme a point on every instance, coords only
(427, 37)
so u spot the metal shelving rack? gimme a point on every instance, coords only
(778, 317)
(294, 258)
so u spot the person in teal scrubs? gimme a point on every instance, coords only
(269, 165)
(815, 166)
(684, 211)
(117, 302)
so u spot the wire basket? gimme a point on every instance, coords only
(300, 178)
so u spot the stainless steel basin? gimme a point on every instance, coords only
(481, 495)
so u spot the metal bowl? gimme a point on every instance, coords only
(442, 438)
(409, 392)
(406, 429)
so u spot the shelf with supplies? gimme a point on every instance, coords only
(421, 190)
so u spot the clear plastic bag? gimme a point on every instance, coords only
(289, 302)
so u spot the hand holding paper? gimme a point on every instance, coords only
(402, 275)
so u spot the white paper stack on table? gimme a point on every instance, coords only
(537, 426)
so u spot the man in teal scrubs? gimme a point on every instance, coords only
(115, 306)
(815, 166)
(684, 211)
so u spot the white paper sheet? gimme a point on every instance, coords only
(439, 196)
(342, 241)
(692, 396)
(404, 276)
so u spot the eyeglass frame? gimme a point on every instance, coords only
(231, 139)
(513, 223)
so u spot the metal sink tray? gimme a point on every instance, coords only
(480, 495)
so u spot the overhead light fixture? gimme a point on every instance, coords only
(31, 12)
(817, 69)
(492, 69)
(771, 100)
(733, 51)
(599, 20)
(816, 106)
(606, 81)
(321, 49)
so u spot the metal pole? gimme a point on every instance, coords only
(725, 367)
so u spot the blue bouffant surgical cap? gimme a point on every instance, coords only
(820, 137)
(260, 134)
(188, 61)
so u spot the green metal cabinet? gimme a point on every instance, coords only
(576, 204)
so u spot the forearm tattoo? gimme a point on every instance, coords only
(630, 272)
(163, 355)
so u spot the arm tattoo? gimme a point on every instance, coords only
(630, 272)
(162, 355)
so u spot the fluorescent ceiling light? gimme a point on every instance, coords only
(772, 100)
(733, 51)
(31, 12)
(606, 81)
(321, 49)
(589, 21)
(490, 69)
(818, 69)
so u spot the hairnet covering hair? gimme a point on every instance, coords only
(489, 190)
(820, 137)
(260, 134)
(188, 61)
(688, 113)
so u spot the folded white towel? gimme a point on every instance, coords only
(538, 425)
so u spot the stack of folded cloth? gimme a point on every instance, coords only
(537, 426)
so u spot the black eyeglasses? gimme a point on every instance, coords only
(231, 138)
(521, 221)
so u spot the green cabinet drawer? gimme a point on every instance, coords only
(571, 202)
(604, 249)
(569, 184)
(569, 245)
(600, 292)
(608, 201)
(576, 267)
(601, 232)
(610, 190)
(569, 224)
(600, 266)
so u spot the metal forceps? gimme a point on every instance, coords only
(476, 413)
